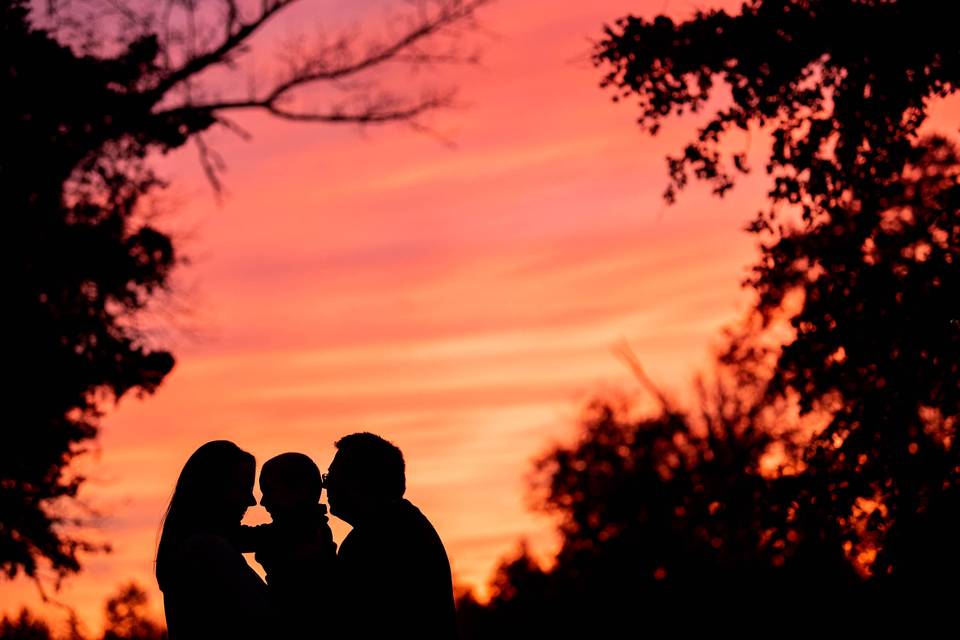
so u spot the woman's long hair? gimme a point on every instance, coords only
(193, 506)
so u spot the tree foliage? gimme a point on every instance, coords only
(660, 512)
(24, 627)
(126, 618)
(844, 86)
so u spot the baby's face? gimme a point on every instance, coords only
(279, 498)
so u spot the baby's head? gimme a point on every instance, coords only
(289, 483)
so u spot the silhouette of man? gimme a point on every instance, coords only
(393, 574)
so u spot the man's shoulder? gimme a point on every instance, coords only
(415, 536)
(415, 518)
(399, 523)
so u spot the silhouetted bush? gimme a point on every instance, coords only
(23, 627)
(126, 618)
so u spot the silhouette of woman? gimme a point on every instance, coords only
(209, 590)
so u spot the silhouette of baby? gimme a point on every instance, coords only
(296, 549)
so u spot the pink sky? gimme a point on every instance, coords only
(460, 302)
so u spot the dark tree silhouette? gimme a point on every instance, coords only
(524, 601)
(127, 617)
(843, 84)
(875, 258)
(668, 512)
(81, 114)
(24, 627)
(877, 347)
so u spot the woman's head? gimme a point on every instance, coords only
(213, 492)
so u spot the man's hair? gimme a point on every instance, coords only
(295, 470)
(375, 462)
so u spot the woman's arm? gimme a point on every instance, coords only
(221, 578)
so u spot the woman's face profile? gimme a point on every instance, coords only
(238, 492)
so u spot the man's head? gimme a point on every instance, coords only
(367, 472)
(289, 482)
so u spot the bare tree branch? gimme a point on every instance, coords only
(372, 114)
(317, 69)
(212, 164)
(220, 53)
(124, 10)
(623, 351)
(233, 16)
(192, 36)
(332, 63)
(232, 126)
(381, 110)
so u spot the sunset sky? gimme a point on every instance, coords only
(462, 302)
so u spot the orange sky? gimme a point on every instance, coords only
(460, 302)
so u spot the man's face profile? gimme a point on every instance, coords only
(341, 491)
